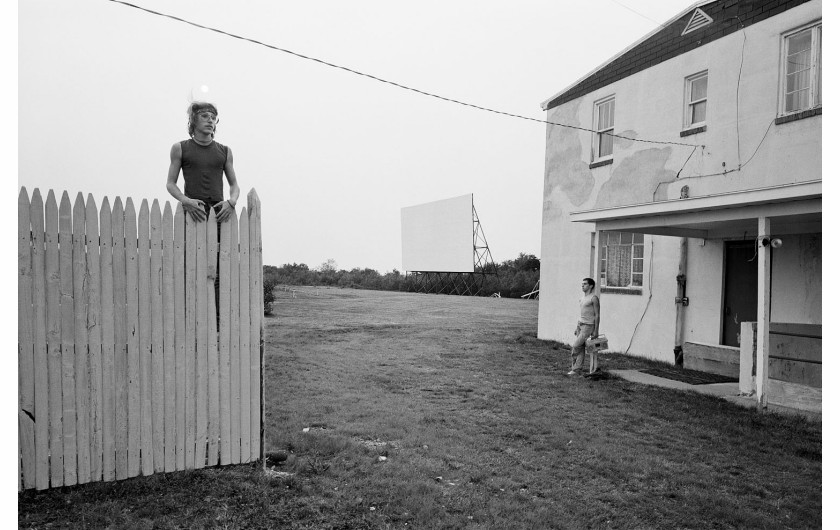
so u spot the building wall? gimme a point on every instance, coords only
(649, 105)
(796, 291)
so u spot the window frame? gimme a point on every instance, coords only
(815, 77)
(689, 103)
(598, 132)
(637, 240)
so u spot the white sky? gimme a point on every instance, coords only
(332, 155)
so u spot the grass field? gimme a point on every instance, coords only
(426, 411)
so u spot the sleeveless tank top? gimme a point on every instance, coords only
(203, 166)
(587, 309)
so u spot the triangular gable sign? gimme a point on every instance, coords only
(698, 20)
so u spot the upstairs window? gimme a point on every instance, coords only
(696, 88)
(604, 128)
(622, 260)
(802, 74)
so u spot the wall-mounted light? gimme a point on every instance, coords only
(773, 242)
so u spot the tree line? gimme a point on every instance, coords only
(512, 279)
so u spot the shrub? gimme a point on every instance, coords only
(268, 295)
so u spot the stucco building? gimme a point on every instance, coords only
(685, 176)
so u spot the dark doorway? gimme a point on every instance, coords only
(740, 291)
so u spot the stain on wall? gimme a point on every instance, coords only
(810, 262)
(636, 177)
(565, 166)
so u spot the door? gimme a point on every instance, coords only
(740, 291)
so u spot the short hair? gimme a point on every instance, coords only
(590, 281)
(193, 110)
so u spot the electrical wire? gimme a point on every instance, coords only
(325, 63)
(742, 166)
(640, 14)
(738, 92)
(650, 297)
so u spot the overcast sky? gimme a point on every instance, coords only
(334, 156)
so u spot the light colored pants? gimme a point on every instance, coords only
(582, 332)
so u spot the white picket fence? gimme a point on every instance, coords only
(122, 370)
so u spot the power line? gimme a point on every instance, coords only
(640, 14)
(290, 52)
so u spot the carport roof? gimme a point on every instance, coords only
(792, 208)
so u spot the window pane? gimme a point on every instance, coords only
(698, 88)
(698, 112)
(638, 238)
(612, 238)
(638, 265)
(800, 61)
(638, 251)
(799, 42)
(626, 238)
(798, 81)
(605, 144)
(637, 280)
(796, 101)
(818, 69)
(605, 114)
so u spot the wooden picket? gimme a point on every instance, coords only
(126, 365)
(120, 341)
(235, 363)
(54, 340)
(106, 266)
(68, 382)
(157, 389)
(144, 311)
(26, 347)
(94, 338)
(212, 345)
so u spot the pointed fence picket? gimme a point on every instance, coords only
(129, 362)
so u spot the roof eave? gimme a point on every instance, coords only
(544, 104)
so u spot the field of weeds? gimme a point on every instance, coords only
(396, 410)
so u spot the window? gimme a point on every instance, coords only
(802, 77)
(622, 259)
(695, 99)
(604, 129)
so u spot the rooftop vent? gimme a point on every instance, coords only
(698, 20)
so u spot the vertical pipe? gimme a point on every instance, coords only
(679, 301)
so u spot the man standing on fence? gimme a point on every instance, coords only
(588, 323)
(202, 160)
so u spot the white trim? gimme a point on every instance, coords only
(597, 131)
(783, 193)
(816, 64)
(544, 104)
(687, 105)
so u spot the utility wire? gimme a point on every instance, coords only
(640, 14)
(392, 82)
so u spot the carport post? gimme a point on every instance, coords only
(763, 325)
(595, 268)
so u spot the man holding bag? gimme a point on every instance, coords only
(587, 326)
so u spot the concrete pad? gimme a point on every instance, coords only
(728, 391)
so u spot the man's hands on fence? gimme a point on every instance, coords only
(226, 210)
(195, 208)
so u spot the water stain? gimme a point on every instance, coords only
(635, 179)
(566, 171)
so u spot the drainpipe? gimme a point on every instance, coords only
(681, 301)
